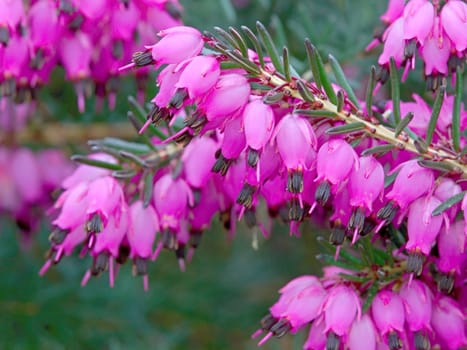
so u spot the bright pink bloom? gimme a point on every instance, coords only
(317, 336)
(422, 227)
(454, 22)
(230, 93)
(205, 208)
(199, 75)
(341, 308)
(448, 322)
(177, 44)
(418, 20)
(421, 114)
(295, 138)
(411, 182)
(362, 335)
(394, 11)
(417, 299)
(11, 13)
(394, 43)
(388, 312)
(171, 199)
(143, 229)
(334, 161)
(258, 121)
(124, 21)
(92, 9)
(366, 183)
(435, 52)
(75, 54)
(73, 203)
(44, 26)
(445, 190)
(110, 238)
(198, 159)
(166, 81)
(233, 142)
(452, 248)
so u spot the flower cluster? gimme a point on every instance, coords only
(436, 30)
(27, 180)
(90, 39)
(250, 136)
(407, 315)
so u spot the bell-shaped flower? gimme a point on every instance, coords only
(144, 225)
(448, 322)
(294, 137)
(366, 183)
(317, 336)
(411, 182)
(43, 24)
(422, 226)
(123, 21)
(75, 52)
(258, 122)
(177, 44)
(388, 312)
(454, 22)
(171, 200)
(341, 308)
(87, 173)
(452, 246)
(198, 159)
(435, 52)
(92, 9)
(394, 11)
(445, 190)
(334, 161)
(417, 299)
(229, 95)
(166, 80)
(26, 174)
(73, 204)
(362, 335)
(394, 44)
(233, 142)
(199, 76)
(418, 17)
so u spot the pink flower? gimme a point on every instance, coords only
(230, 94)
(75, 54)
(388, 312)
(44, 26)
(317, 336)
(143, 229)
(362, 335)
(341, 308)
(417, 299)
(92, 9)
(171, 199)
(26, 174)
(454, 22)
(435, 52)
(366, 183)
(295, 138)
(448, 322)
(166, 81)
(451, 246)
(199, 76)
(177, 44)
(422, 227)
(394, 43)
(418, 20)
(258, 122)
(198, 159)
(394, 11)
(411, 182)
(88, 173)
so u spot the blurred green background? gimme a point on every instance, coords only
(218, 302)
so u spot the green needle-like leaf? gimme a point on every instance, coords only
(141, 116)
(254, 40)
(148, 187)
(319, 113)
(305, 92)
(456, 112)
(329, 260)
(369, 91)
(286, 64)
(435, 114)
(436, 165)
(227, 38)
(403, 123)
(342, 80)
(346, 129)
(378, 150)
(241, 44)
(94, 162)
(354, 278)
(340, 101)
(119, 144)
(313, 63)
(269, 46)
(395, 93)
(448, 203)
(323, 76)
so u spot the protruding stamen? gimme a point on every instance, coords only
(296, 212)
(99, 264)
(142, 58)
(94, 224)
(252, 157)
(388, 212)
(140, 266)
(394, 342)
(245, 197)
(58, 235)
(332, 341)
(323, 192)
(446, 283)
(295, 181)
(415, 263)
(221, 165)
(421, 341)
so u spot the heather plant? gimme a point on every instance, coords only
(235, 132)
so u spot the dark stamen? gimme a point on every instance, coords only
(295, 182)
(177, 99)
(388, 212)
(99, 264)
(123, 254)
(332, 342)
(296, 212)
(268, 321)
(323, 192)
(445, 283)
(415, 263)
(252, 157)
(394, 342)
(250, 218)
(221, 165)
(245, 197)
(281, 328)
(337, 235)
(195, 238)
(140, 267)
(421, 341)
(169, 240)
(58, 235)
(357, 220)
(142, 58)
(95, 224)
